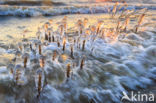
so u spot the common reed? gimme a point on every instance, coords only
(40, 49)
(64, 44)
(68, 71)
(140, 20)
(83, 45)
(54, 55)
(72, 51)
(82, 63)
(42, 61)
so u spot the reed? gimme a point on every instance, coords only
(42, 62)
(50, 21)
(80, 26)
(30, 46)
(58, 43)
(65, 24)
(85, 21)
(11, 68)
(83, 45)
(49, 37)
(64, 44)
(68, 71)
(72, 51)
(53, 38)
(61, 30)
(20, 47)
(93, 30)
(140, 20)
(98, 26)
(40, 49)
(46, 36)
(82, 63)
(39, 83)
(54, 55)
(126, 23)
(17, 75)
(25, 61)
(114, 9)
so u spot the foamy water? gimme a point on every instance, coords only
(71, 8)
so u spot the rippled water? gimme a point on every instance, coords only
(129, 63)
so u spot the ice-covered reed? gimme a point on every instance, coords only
(140, 20)
(99, 26)
(68, 70)
(11, 68)
(126, 23)
(42, 61)
(40, 49)
(54, 55)
(64, 44)
(25, 57)
(82, 63)
(114, 9)
(72, 51)
(80, 27)
(83, 45)
(39, 81)
(85, 21)
(18, 74)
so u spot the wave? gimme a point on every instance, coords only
(32, 3)
(30, 11)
